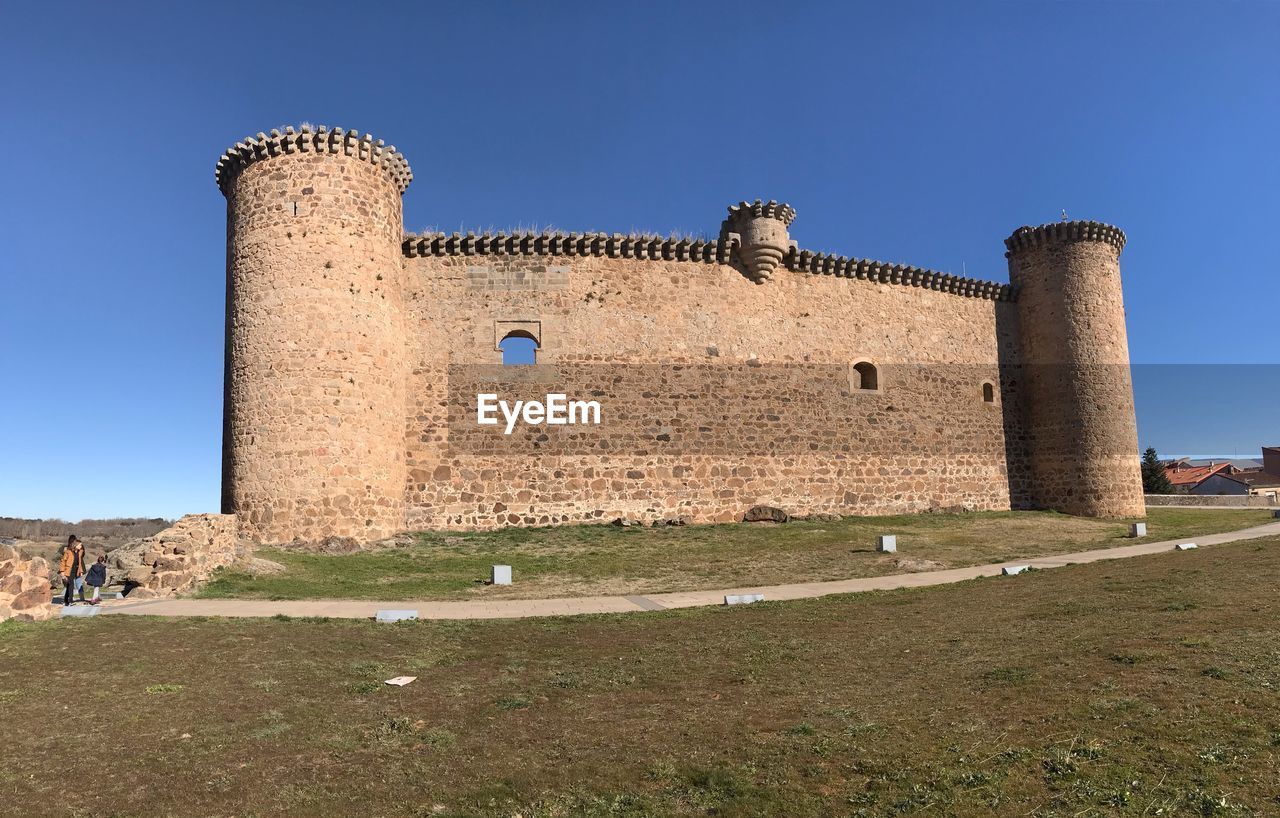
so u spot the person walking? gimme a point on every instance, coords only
(96, 578)
(71, 568)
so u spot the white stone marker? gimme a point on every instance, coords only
(1138, 530)
(73, 611)
(500, 575)
(1185, 546)
(887, 543)
(743, 599)
(395, 616)
(1010, 570)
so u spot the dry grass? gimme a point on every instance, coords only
(1136, 688)
(601, 559)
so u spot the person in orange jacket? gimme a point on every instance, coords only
(71, 568)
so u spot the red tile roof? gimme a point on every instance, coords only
(1190, 476)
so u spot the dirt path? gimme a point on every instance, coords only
(520, 608)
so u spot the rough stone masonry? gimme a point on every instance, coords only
(732, 371)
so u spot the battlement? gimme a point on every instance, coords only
(1026, 237)
(312, 139)
(718, 251)
(784, 213)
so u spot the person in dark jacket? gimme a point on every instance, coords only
(96, 578)
(71, 568)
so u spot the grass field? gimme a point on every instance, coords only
(604, 560)
(1141, 687)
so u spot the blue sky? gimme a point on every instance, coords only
(914, 132)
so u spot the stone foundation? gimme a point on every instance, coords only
(26, 586)
(179, 558)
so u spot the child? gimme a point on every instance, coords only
(96, 578)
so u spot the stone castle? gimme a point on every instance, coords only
(731, 371)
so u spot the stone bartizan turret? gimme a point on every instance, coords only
(758, 231)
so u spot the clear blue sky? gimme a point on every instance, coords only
(913, 132)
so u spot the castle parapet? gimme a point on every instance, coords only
(312, 139)
(1027, 238)
(715, 251)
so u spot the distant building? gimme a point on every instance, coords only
(1256, 483)
(1229, 476)
(1221, 482)
(1188, 479)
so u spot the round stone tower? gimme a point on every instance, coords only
(315, 382)
(1075, 358)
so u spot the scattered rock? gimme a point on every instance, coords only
(672, 521)
(334, 545)
(398, 541)
(139, 575)
(964, 508)
(765, 514)
(259, 567)
(25, 589)
(625, 523)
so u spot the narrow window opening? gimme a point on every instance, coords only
(988, 393)
(519, 348)
(865, 377)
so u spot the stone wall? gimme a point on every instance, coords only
(25, 586)
(1234, 500)
(179, 558)
(717, 393)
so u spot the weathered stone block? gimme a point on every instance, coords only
(765, 514)
(30, 599)
(395, 616)
(141, 575)
(743, 599)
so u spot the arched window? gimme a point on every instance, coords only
(988, 392)
(518, 348)
(864, 377)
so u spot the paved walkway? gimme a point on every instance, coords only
(568, 606)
